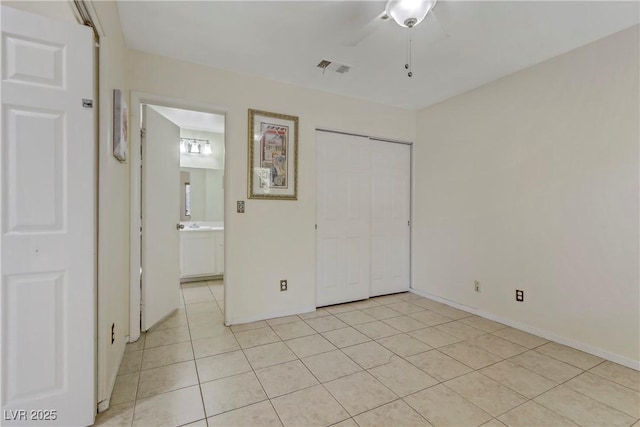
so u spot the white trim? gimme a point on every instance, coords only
(374, 138)
(104, 405)
(272, 315)
(137, 99)
(621, 360)
(104, 386)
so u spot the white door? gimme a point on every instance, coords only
(160, 216)
(390, 216)
(48, 223)
(343, 169)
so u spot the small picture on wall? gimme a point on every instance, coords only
(120, 126)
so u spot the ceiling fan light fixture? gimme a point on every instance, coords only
(409, 13)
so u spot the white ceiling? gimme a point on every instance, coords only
(284, 40)
(193, 120)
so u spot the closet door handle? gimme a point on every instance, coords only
(179, 226)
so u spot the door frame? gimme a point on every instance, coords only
(135, 254)
(411, 195)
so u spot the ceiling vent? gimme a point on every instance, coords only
(333, 66)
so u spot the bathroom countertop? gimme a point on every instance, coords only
(203, 228)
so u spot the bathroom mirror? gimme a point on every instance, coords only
(202, 197)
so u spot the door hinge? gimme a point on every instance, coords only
(142, 132)
(409, 223)
(316, 226)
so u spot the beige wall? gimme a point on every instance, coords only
(273, 240)
(531, 182)
(113, 205)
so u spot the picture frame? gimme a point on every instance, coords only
(120, 126)
(273, 156)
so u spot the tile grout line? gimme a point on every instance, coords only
(527, 399)
(558, 385)
(453, 391)
(360, 366)
(370, 339)
(373, 376)
(195, 364)
(320, 383)
(258, 379)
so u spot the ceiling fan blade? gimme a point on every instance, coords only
(431, 29)
(438, 24)
(355, 37)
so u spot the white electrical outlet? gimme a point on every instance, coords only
(476, 285)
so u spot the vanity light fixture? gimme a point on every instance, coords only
(207, 148)
(195, 146)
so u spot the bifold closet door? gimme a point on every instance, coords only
(343, 218)
(390, 217)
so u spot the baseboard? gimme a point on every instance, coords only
(272, 315)
(201, 278)
(613, 357)
(104, 405)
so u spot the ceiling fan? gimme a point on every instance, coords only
(407, 14)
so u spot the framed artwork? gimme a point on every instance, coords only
(273, 156)
(120, 126)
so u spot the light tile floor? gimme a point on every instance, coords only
(387, 361)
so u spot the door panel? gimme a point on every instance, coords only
(35, 200)
(329, 255)
(390, 215)
(160, 215)
(343, 218)
(48, 211)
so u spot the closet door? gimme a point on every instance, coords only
(343, 218)
(390, 216)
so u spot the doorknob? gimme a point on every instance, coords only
(179, 226)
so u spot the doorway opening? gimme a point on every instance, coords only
(178, 203)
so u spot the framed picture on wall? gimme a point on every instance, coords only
(273, 156)
(120, 126)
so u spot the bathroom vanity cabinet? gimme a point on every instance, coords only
(201, 252)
